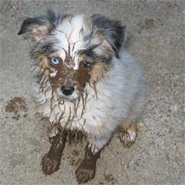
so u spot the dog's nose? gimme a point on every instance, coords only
(67, 90)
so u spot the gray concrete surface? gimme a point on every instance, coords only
(158, 42)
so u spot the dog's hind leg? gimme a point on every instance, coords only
(128, 134)
(128, 130)
(51, 161)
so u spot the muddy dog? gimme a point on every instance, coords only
(85, 83)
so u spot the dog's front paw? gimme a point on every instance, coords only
(84, 173)
(50, 164)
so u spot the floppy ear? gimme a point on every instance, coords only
(38, 27)
(112, 30)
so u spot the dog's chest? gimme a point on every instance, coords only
(84, 115)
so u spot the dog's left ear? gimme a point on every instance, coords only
(112, 30)
(38, 27)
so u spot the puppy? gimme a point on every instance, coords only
(86, 84)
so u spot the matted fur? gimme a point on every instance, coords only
(109, 86)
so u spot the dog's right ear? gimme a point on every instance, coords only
(38, 27)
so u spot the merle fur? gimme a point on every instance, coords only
(113, 30)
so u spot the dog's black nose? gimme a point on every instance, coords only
(67, 90)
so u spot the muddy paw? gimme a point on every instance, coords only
(83, 174)
(50, 164)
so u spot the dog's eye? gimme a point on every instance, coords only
(86, 64)
(55, 61)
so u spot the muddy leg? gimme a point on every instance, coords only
(87, 167)
(128, 134)
(51, 161)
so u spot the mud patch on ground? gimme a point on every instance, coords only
(75, 152)
(74, 157)
(16, 107)
(108, 177)
(147, 23)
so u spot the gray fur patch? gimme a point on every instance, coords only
(113, 30)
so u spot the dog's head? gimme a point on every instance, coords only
(72, 51)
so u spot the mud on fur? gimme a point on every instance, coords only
(85, 82)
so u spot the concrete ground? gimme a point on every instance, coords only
(157, 30)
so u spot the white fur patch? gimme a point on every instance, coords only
(53, 74)
(94, 149)
(69, 35)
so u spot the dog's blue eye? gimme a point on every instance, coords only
(55, 61)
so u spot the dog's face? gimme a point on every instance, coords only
(72, 51)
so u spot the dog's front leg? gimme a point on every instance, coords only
(87, 167)
(51, 161)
